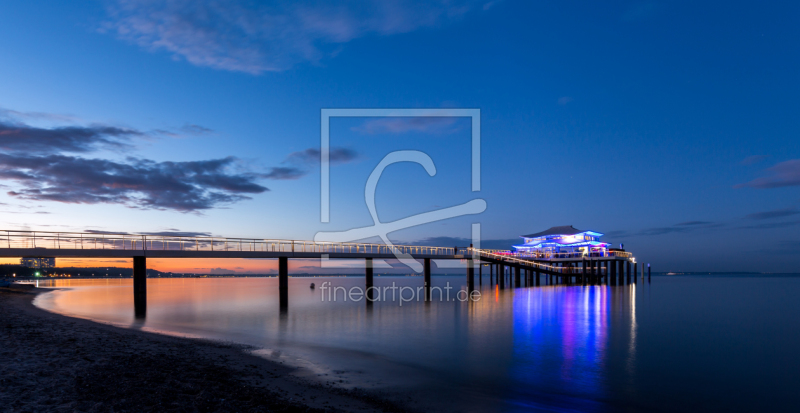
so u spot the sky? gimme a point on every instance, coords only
(671, 127)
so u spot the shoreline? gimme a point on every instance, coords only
(53, 362)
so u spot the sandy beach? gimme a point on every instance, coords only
(50, 362)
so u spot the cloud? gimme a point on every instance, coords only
(175, 232)
(771, 225)
(395, 125)
(37, 116)
(191, 129)
(489, 4)
(285, 173)
(682, 227)
(618, 233)
(26, 212)
(254, 37)
(19, 137)
(663, 230)
(691, 226)
(564, 100)
(642, 10)
(183, 131)
(303, 161)
(38, 159)
(785, 247)
(443, 241)
(781, 175)
(140, 183)
(693, 223)
(178, 234)
(312, 156)
(777, 213)
(754, 159)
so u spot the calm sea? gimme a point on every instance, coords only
(680, 343)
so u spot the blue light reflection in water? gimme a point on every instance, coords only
(560, 342)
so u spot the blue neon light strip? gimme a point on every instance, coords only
(555, 244)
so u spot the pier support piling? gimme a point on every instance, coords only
(613, 272)
(583, 272)
(139, 275)
(139, 287)
(623, 276)
(283, 282)
(596, 271)
(426, 272)
(516, 277)
(369, 282)
(140, 306)
(470, 275)
(628, 271)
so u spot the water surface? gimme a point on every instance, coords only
(688, 343)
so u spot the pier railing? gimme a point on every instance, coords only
(564, 255)
(44, 241)
(504, 255)
(141, 242)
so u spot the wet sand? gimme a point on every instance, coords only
(50, 362)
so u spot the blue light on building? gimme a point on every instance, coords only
(564, 241)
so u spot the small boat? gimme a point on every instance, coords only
(312, 286)
(671, 273)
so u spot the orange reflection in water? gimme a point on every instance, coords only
(214, 266)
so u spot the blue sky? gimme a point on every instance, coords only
(669, 126)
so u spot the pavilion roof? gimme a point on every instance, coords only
(562, 230)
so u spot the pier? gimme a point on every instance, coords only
(506, 268)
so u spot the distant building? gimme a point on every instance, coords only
(38, 263)
(563, 242)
